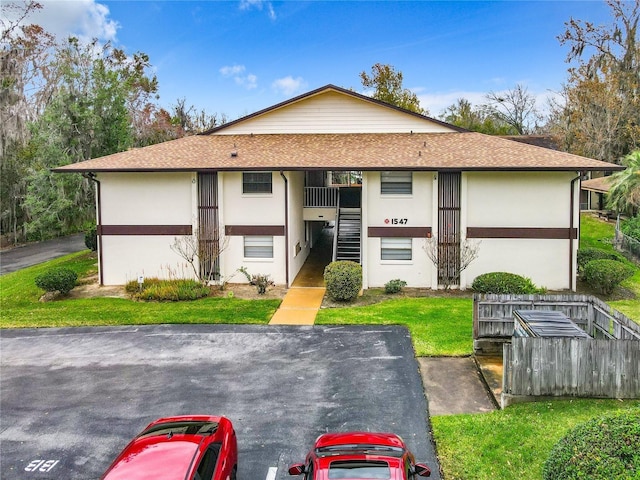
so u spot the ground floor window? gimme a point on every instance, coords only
(392, 248)
(258, 246)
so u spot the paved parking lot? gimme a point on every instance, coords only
(72, 398)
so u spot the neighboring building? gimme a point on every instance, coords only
(594, 192)
(272, 180)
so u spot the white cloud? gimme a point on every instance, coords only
(249, 81)
(232, 70)
(85, 19)
(289, 85)
(259, 5)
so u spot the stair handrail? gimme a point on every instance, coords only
(335, 233)
(361, 236)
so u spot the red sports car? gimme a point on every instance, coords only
(186, 448)
(360, 455)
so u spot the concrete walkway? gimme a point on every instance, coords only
(454, 386)
(299, 306)
(303, 300)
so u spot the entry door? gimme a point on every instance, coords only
(208, 227)
(449, 228)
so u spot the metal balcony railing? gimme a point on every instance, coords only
(321, 197)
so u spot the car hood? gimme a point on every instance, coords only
(149, 458)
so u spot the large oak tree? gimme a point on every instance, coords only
(599, 115)
(387, 87)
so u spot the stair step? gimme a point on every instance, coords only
(348, 245)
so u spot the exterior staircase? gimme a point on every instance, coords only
(349, 235)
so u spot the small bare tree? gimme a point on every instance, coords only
(515, 107)
(202, 253)
(451, 264)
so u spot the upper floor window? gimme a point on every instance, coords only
(393, 183)
(256, 182)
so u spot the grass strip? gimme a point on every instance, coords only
(439, 326)
(513, 443)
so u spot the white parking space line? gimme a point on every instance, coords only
(271, 474)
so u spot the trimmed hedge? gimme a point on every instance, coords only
(585, 255)
(503, 283)
(343, 280)
(606, 275)
(57, 280)
(394, 286)
(91, 239)
(606, 447)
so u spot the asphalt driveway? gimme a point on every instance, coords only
(72, 398)
(30, 254)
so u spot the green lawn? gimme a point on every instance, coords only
(439, 326)
(513, 443)
(20, 306)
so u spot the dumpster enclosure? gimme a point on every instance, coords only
(597, 356)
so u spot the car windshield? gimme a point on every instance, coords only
(360, 448)
(185, 428)
(360, 470)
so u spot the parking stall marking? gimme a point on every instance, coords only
(41, 465)
(271, 474)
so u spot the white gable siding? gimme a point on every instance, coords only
(333, 112)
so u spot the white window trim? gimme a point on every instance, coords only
(261, 241)
(394, 194)
(393, 261)
(257, 194)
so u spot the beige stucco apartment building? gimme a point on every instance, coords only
(387, 181)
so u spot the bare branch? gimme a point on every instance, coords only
(451, 266)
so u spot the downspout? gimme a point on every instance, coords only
(92, 177)
(571, 223)
(286, 226)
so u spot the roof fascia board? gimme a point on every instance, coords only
(346, 168)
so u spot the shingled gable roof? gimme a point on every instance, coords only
(458, 150)
(599, 185)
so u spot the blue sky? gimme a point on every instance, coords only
(237, 57)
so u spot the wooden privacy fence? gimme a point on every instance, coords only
(493, 317)
(573, 367)
(607, 365)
